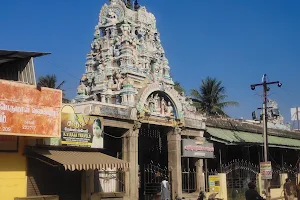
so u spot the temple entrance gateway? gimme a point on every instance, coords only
(127, 81)
(153, 159)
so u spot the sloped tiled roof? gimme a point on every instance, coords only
(243, 125)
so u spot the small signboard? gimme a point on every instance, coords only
(214, 183)
(266, 170)
(197, 149)
(81, 130)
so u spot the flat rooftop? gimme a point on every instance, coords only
(10, 56)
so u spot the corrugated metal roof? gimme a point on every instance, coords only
(238, 137)
(242, 125)
(9, 56)
(76, 160)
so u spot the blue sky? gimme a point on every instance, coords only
(234, 41)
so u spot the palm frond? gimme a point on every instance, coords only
(211, 97)
(196, 94)
(49, 81)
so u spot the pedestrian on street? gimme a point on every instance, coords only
(165, 190)
(251, 193)
(201, 196)
(287, 189)
(298, 191)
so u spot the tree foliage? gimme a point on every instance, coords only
(178, 87)
(50, 81)
(210, 98)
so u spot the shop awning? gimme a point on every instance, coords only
(232, 137)
(77, 160)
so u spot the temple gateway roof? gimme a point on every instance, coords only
(127, 65)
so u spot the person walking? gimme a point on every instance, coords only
(251, 193)
(298, 191)
(287, 189)
(165, 190)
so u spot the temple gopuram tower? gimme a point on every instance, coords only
(126, 54)
(127, 83)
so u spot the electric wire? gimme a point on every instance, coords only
(61, 68)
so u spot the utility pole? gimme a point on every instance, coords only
(265, 84)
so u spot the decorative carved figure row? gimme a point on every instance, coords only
(157, 105)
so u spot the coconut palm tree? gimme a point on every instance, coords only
(50, 81)
(178, 87)
(210, 97)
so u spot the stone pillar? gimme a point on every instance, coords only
(174, 162)
(130, 154)
(199, 172)
(124, 99)
(131, 99)
(200, 176)
(102, 98)
(108, 99)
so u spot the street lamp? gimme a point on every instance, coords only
(265, 84)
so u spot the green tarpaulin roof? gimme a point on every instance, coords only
(239, 137)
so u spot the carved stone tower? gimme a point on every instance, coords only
(127, 65)
(126, 54)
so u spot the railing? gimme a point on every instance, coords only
(153, 175)
(275, 181)
(110, 181)
(189, 181)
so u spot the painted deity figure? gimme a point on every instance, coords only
(151, 104)
(170, 111)
(111, 18)
(146, 107)
(97, 32)
(81, 90)
(110, 83)
(162, 106)
(119, 80)
(156, 102)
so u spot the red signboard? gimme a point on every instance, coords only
(26, 110)
(266, 170)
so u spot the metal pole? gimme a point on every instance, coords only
(265, 84)
(220, 153)
(265, 120)
(266, 148)
(297, 111)
(206, 175)
(188, 178)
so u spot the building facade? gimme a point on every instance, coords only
(127, 83)
(16, 74)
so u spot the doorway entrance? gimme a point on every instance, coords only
(153, 159)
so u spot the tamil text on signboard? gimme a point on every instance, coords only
(197, 149)
(28, 111)
(266, 170)
(81, 130)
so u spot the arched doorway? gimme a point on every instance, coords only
(159, 115)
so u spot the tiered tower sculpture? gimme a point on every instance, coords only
(127, 65)
(126, 54)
